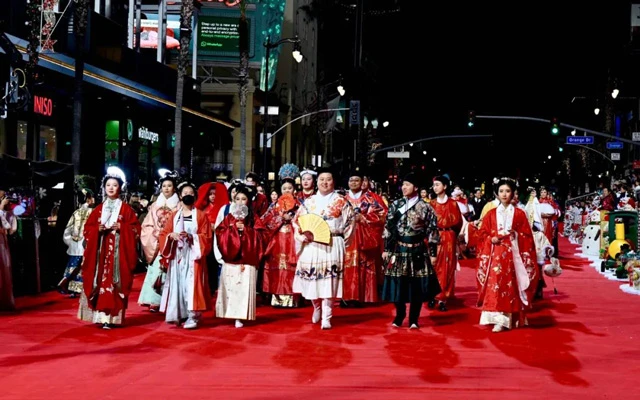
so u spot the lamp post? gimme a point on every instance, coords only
(298, 57)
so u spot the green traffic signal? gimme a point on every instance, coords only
(555, 127)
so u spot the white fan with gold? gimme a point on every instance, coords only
(316, 226)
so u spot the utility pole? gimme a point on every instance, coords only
(355, 119)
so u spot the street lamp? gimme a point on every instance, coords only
(297, 55)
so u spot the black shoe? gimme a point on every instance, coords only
(431, 304)
(442, 306)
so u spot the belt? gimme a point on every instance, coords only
(337, 235)
(410, 245)
(444, 229)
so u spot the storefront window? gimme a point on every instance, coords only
(48, 143)
(111, 139)
(22, 139)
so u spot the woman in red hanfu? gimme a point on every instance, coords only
(507, 271)
(112, 233)
(281, 255)
(212, 197)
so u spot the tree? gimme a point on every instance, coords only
(80, 19)
(243, 82)
(186, 18)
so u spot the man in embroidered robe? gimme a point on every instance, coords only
(360, 268)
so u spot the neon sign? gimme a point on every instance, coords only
(42, 106)
(144, 133)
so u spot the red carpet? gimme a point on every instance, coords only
(582, 343)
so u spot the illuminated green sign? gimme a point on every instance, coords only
(219, 35)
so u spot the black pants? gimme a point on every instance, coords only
(415, 306)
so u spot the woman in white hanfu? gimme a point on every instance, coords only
(185, 242)
(159, 213)
(320, 267)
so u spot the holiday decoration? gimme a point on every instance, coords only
(48, 24)
(33, 22)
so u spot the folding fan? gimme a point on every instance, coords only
(286, 202)
(317, 226)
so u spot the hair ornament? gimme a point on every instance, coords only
(288, 171)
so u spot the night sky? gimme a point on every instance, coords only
(436, 63)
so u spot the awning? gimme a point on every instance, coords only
(99, 77)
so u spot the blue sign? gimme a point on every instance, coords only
(354, 112)
(614, 145)
(580, 140)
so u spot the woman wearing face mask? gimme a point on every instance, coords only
(185, 242)
(507, 273)
(112, 232)
(159, 212)
(241, 241)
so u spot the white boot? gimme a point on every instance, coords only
(317, 313)
(327, 312)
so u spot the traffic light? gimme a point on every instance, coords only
(472, 119)
(555, 127)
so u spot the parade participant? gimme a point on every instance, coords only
(308, 183)
(210, 199)
(281, 256)
(411, 243)
(158, 215)
(8, 226)
(185, 242)
(72, 280)
(507, 272)
(241, 241)
(259, 201)
(449, 225)
(112, 232)
(363, 252)
(319, 273)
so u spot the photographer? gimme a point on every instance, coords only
(8, 226)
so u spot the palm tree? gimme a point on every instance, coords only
(80, 19)
(186, 17)
(243, 81)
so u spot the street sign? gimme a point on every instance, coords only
(615, 145)
(354, 112)
(615, 156)
(635, 136)
(580, 140)
(397, 154)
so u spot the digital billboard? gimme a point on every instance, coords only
(219, 35)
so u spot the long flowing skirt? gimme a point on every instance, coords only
(97, 317)
(319, 270)
(75, 283)
(237, 292)
(178, 290)
(148, 295)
